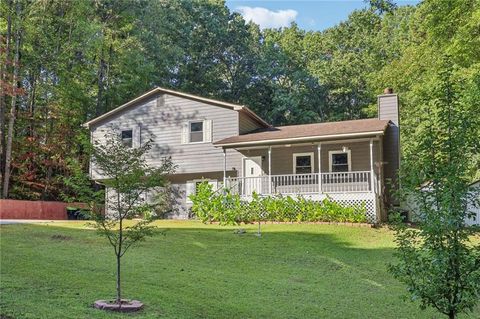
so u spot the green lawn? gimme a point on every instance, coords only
(205, 271)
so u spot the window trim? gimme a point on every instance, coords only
(195, 182)
(312, 161)
(349, 159)
(189, 130)
(133, 135)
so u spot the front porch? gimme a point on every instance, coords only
(345, 171)
(336, 166)
(348, 188)
(301, 184)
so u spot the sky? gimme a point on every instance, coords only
(309, 15)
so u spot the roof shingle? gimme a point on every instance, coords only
(281, 134)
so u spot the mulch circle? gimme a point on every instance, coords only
(125, 306)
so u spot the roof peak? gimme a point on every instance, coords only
(160, 90)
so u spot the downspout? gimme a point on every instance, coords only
(371, 166)
(319, 154)
(270, 170)
(224, 168)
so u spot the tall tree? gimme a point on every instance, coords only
(433, 29)
(13, 107)
(284, 91)
(342, 58)
(6, 10)
(438, 262)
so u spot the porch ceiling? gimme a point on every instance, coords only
(307, 133)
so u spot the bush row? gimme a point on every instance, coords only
(229, 209)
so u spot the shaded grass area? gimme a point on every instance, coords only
(57, 270)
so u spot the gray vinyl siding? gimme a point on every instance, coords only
(179, 208)
(282, 157)
(388, 109)
(161, 119)
(179, 181)
(247, 124)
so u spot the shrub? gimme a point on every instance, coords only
(229, 209)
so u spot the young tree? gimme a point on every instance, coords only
(128, 178)
(257, 211)
(437, 261)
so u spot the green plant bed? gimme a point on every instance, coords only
(230, 209)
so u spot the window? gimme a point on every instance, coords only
(339, 161)
(196, 132)
(197, 184)
(303, 163)
(191, 187)
(127, 137)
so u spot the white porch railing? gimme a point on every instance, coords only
(340, 182)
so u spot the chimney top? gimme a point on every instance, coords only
(388, 91)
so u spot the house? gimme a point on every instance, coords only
(228, 144)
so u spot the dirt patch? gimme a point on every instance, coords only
(60, 237)
(126, 305)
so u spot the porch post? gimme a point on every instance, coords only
(319, 154)
(270, 170)
(371, 165)
(224, 168)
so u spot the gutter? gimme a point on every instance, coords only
(298, 139)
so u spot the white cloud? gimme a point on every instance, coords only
(266, 18)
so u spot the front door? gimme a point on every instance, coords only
(253, 175)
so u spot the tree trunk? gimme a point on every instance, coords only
(451, 315)
(119, 289)
(11, 120)
(119, 252)
(31, 126)
(100, 83)
(107, 77)
(3, 94)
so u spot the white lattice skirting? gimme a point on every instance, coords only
(350, 199)
(357, 199)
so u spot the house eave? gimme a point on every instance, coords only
(120, 108)
(300, 139)
(253, 115)
(159, 90)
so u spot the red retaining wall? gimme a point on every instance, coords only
(25, 209)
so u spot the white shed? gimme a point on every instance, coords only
(474, 206)
(473, 209)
